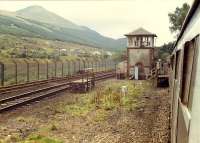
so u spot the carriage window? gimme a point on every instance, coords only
(187, 71)
(178, 61)
(172, 61)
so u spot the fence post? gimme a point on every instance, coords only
(115, 66)
(87, 63)
(27, 70)
(2, 69)
(109, 65)
(79, 65)
(47, 70)
(96, 63)
(68, 67)
(98, 66)
(84, 64)
(55, 68)
(74, 67)
(16, 78)
(92, 66)
(105, 64)
(62, 68)
(38, 69)
(102, 65)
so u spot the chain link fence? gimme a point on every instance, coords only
(16, 71)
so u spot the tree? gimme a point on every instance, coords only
(165, 50)
(177, 18)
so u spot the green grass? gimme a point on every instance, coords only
(110, 97)
(95, 106)
(41, 139)
(31, 139)
(78, 110)
(100, 115)
(105, 99)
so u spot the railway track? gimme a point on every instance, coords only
(18, 100)
(14, 88)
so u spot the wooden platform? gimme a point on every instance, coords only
(82, 85)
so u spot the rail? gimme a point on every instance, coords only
(20, 99)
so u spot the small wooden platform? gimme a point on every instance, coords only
(82, 85)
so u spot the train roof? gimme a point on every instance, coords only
(188, 18)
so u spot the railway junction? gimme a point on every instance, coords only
(87, 101)
(139, 100)
(86, 106)
(96, 116)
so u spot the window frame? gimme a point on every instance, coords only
(196, 44)
(188, 61)
(177, 64)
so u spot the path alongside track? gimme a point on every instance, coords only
(147, 123)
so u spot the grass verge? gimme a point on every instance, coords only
(106, 98)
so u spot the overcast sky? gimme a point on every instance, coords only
(111, 18)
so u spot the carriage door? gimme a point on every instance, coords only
(175, 92)
(191, 98)
(186, 96)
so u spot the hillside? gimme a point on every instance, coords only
(40, 14)
(19, 47)
(38, 22)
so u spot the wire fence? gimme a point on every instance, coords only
(17, 71)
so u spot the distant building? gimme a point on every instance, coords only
(96, 53)
(140, 53)
(109, 53)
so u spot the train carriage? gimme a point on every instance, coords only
(185, 81)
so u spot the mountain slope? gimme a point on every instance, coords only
(40, 14)
(36, 21)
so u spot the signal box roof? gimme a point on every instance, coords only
(141, 32)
